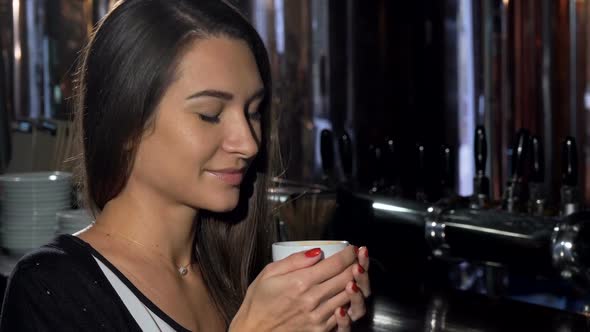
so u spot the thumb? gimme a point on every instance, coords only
(293, 262)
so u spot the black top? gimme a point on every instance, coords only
(60, 287)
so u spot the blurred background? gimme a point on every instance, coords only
(450, 136)
(417, 72)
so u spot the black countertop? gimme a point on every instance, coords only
(394, 307)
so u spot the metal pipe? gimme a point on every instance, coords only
(403, 211)
(545, 245)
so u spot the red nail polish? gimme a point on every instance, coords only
(355, 288)
(313, 252)
(366, 252)
(342, 312)
(361, 270)
(356, 250)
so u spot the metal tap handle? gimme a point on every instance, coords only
(376, 164)
(345, 149)
(519, 153)
(480, 150)
(569, 162)
(537, 160)
(390, 154)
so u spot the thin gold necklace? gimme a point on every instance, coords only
(182, 270)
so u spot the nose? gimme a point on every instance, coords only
(242, 137)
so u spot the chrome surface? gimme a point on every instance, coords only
(404, 211)
(434, 230)
(569, 248)
(454, 230)
(563, 253)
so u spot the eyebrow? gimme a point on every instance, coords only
(212, 93)
(259, 94)
(225, 95)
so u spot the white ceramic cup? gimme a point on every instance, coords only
(281, 250)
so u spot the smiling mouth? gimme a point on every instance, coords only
(231, 177)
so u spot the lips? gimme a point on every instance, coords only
(230, 176)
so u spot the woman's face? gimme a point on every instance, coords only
(206, 129)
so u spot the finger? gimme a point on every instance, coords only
(361, 277)
(332, 287)
(332, 265)
(326, 309)
(363, 257)
(342, 320)
(357, 302)
(294, 262)
(331, 324)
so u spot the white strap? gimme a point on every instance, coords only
(145, 318)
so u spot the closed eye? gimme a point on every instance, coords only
(254, 103)
(210, 119)
(256, 116)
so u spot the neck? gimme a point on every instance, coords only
(145, 217)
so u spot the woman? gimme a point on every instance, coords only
(176, 134)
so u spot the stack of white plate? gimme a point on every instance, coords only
(71, 221)
(29, 203)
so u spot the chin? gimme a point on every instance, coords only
(223, 208)
(222, 203)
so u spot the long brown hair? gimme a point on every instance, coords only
(126, 67)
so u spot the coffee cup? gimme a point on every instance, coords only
(281, 250)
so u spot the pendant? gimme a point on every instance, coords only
(183, 270)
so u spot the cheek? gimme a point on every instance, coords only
(193, 145)
(179, 154)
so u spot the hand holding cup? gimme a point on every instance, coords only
(306, 289)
